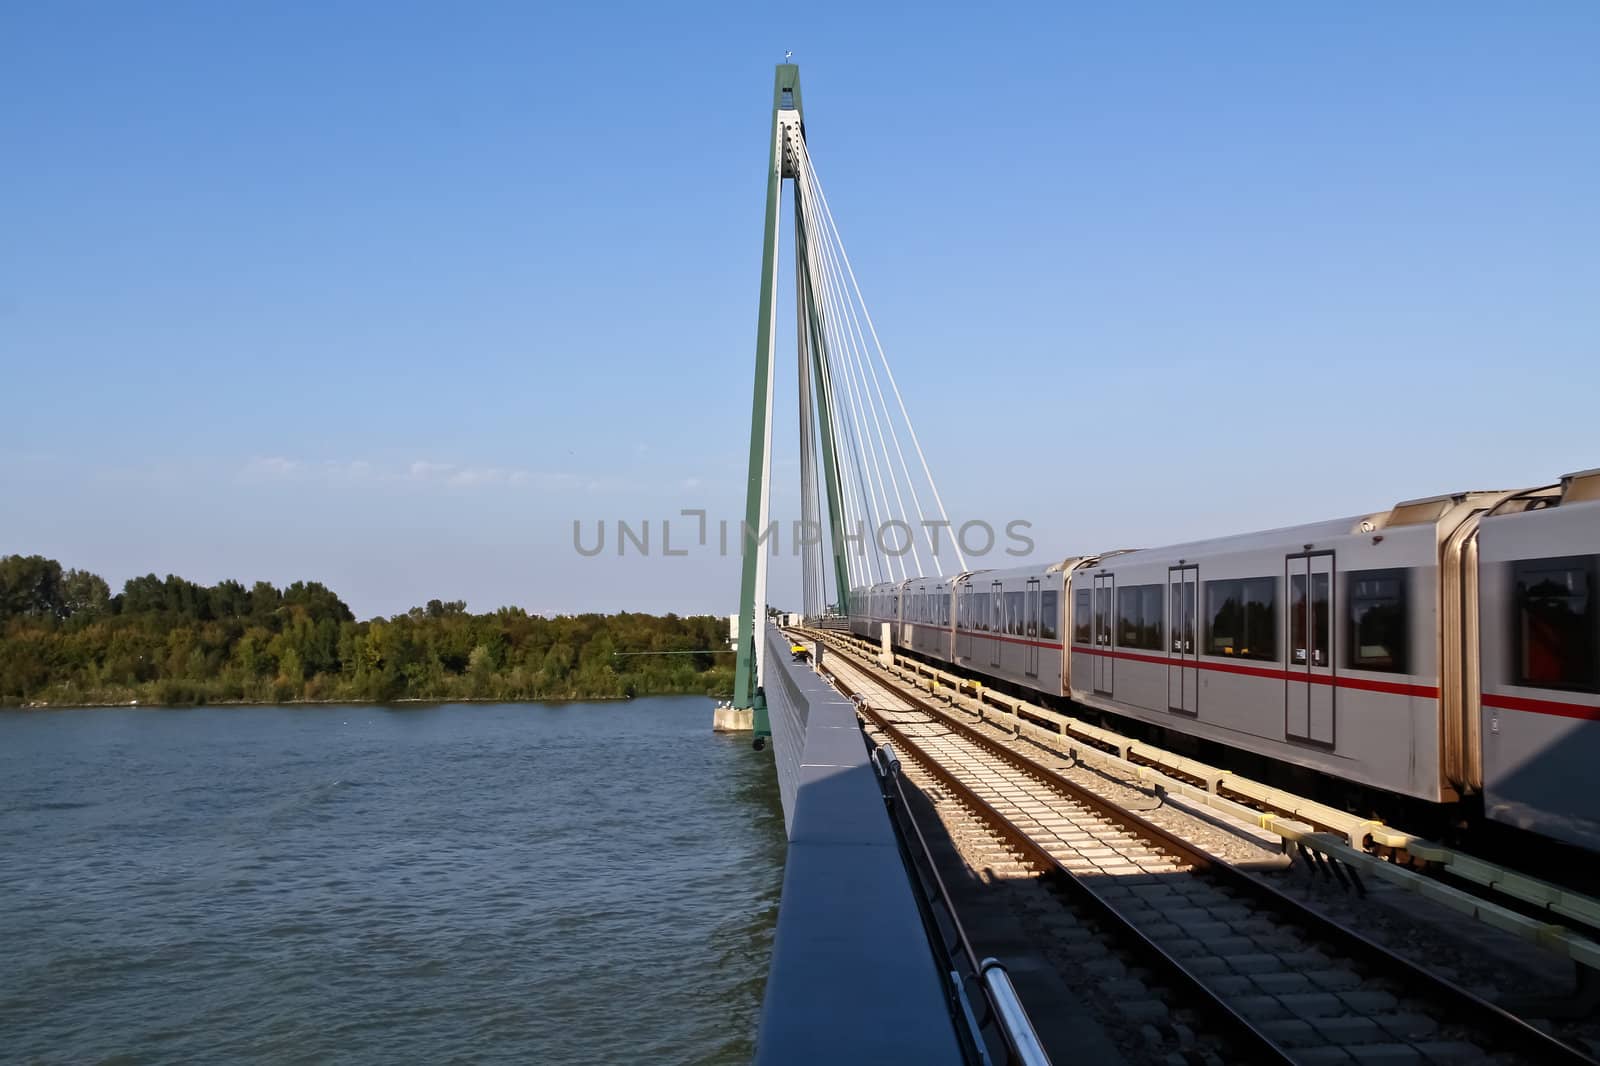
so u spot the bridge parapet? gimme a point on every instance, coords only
(853, 977)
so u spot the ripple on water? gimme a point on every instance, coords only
(513, 883)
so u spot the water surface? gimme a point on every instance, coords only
(472, 883)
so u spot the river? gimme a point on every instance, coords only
(531, 883)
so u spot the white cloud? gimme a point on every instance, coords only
(485, 475)
(272, 466)
(420, 471)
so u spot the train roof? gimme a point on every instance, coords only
(1426, 511)
(1579, 486)
(1336, 527)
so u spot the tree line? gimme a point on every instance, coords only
(65, 639)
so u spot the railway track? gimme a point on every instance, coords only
(1276, 979)
(1557, 916)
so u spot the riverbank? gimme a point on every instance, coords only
(43, 705)
(65, 641)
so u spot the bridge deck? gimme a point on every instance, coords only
(853, 977)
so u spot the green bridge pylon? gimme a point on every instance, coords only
(788, 130)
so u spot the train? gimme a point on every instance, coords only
(1445, 650)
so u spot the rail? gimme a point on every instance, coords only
(1300, 822)
(1239, 1028)
(1006, 1011)
(1480, 1014)
(1013, 1017)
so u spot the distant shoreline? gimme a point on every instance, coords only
(140, 705)
(66, 641)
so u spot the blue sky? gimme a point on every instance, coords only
(387, 295)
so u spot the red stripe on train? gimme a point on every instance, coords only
(1555, 707)
(976, 635)
(1393, 688)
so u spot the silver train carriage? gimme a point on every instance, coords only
(1447, 646)
(1538, 668)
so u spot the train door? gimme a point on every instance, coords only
(947, 625)
(1031, 628)
(996, 622)
(1104, 602)
(1309, 693)
(964, 622)
(1183, 673)
(921, 636)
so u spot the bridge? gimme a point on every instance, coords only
(990, 862)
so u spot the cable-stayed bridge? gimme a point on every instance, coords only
(869, 504)
(945, 738)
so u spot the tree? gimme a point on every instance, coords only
(30, 587)
(84, 595)
(64, 638)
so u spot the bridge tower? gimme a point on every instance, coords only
(788, 130)
(847, 424)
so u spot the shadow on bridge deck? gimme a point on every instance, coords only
(853, 977)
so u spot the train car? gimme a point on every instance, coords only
(1317, 645)
(1008, 624)
(1443, 648)
(1538, 579)
(925, 622)
(861, 605)
(874, 606)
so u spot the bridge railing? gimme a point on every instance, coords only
(998, 1029)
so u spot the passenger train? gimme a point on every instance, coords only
(1442, 649)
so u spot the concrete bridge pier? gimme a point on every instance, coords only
(729, 719)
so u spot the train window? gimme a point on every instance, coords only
(1139, 616)
(1557, 630)
(1241, 618)
(1378, 620)
(1014, 613)
(1080, 618)
(1049, 605)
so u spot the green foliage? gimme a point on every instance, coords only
(65, 640)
